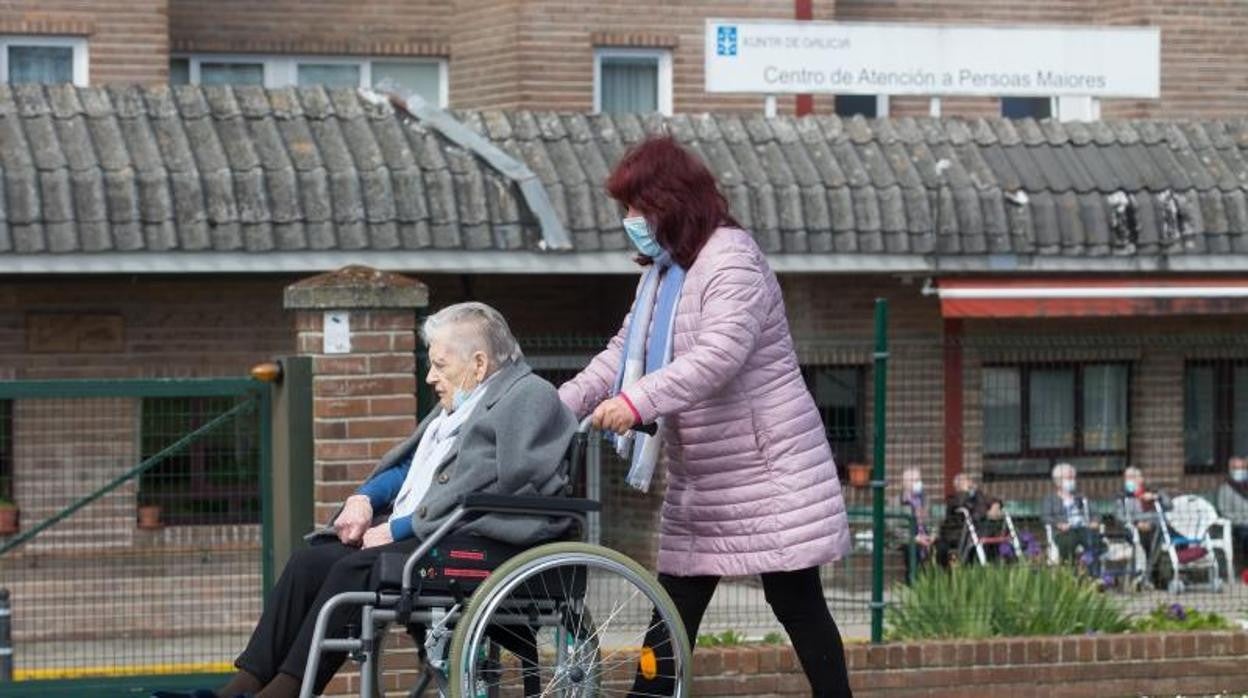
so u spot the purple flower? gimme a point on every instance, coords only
(1176, 612)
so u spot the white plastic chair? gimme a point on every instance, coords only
(1193, 517)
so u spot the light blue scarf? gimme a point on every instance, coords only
(655, 308)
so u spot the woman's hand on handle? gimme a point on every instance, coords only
(614, 415)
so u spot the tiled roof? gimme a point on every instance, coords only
(248, 170)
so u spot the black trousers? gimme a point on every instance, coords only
(283, 637)
(797, 600)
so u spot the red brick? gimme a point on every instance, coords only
(399, 404)
(340, 365)
(381, 427)
(341, 407)
(393, 363)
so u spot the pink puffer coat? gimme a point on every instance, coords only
(751, 486)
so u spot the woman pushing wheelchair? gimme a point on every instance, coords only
(706, 353)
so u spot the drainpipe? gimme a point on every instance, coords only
(804, 10)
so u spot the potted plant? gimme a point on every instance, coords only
(10, 517)
(149, 516)
(859, 474)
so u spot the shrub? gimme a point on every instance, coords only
(1176, 617)
(1012, 600)
(728, 638)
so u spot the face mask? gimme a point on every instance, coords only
(917, 487)
(460, 396)
(1239, 475)
(970, 491)
(638, 230)
(1131, 487)
(1068, 485)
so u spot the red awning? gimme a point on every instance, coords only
(1048, 297)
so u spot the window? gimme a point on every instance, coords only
(868, 106)
(215, 479)
(1035, 416)
(1215, 414)
(424, 77)
(637, 81)
(6, 450)
(43, 59)
(1023, 107)
(838, 393)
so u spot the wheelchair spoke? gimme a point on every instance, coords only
(570, 624)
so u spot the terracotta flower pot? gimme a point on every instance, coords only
(10, 520)
(859, 474)
(149, 517)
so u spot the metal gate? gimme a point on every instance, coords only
(144, 540)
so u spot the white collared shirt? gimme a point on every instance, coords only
(439, 438)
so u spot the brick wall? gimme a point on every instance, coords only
(128, 40)
(169, 327)
(1069, 667)
(369, 27)
(1066, 667)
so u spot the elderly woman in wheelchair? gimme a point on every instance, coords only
(440, 539)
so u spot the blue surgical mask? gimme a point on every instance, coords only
(639, 232)
(1130, 486)
(1239, 475)
(460, 396)
(917, 487)
(1068, 485)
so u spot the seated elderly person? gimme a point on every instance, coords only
(913, 498)
(1231, 499)
(1141, 507)
(1067, 513)
(498, 428)
(985, 511)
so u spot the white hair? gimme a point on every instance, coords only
(486, 331)
(1061, 470)
(910, 475)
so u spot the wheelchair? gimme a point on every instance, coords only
(566, 619)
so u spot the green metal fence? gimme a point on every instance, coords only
(143, 544)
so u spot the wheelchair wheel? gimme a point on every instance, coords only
(574, 620)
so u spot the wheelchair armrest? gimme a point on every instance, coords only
(505, 503)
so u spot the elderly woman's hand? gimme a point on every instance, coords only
(614, 415)
(356, 516)
(378, 535)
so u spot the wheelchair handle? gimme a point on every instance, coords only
(648, 429)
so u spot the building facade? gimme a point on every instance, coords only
(149, 231)
(566, 55)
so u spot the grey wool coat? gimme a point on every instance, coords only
(513, 443)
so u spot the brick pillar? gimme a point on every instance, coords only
(364, 388)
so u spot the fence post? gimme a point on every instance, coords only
(6, 638)
(877, 471)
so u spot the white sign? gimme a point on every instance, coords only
(336, 331)
(915, 59)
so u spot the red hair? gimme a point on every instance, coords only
(676, 193)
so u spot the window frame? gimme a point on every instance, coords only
(7, 452)
(79, 45)
(283, 71)
(1053, 455)
(200, 410)
(664, 57)
(881, 106)
(861, 446)
(1223, 413)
